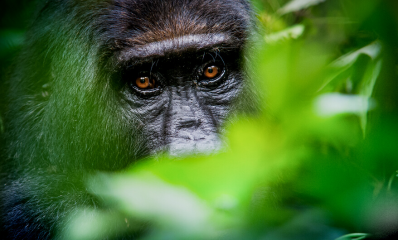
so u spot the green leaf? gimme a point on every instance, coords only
(293, 32)
(296, 5)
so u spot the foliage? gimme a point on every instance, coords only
(318, 161)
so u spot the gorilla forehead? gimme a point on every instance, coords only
(167, 19)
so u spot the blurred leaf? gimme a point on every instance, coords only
(93, 224)
(145, 196)
(372, 50)
(353, 236)
(366, 89)
(335, 103)
(344, 69)
(272, 22)
(296, 5)
(346, 61)
(293, 32)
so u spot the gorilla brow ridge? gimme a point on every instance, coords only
(161, 48)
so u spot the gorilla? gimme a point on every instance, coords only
(100, 84)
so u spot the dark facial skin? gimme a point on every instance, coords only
(184, 112)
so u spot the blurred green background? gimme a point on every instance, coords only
(15, 17)
(320, 159)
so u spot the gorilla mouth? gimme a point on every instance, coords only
(180, 147)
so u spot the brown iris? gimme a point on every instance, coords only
(211, 71)
(145, 83)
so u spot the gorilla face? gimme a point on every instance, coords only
(181, 90)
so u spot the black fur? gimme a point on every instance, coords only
(71, 109)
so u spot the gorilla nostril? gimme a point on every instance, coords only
(188, 122)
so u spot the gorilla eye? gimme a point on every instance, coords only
(145, 83)
(211, 71)
(211, 75)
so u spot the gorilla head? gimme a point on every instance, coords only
(102, 83)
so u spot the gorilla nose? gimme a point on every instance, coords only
(191, 135)
(188, 122)
(190, 127)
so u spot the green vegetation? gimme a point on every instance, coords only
(319, 161)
